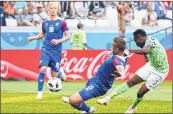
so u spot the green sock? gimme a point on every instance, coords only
(136, 102)
(121, 89)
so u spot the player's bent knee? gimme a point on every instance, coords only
(43, 68)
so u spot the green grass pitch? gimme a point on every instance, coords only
(19, 97)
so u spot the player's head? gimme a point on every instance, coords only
(80, 25)
(118, 45)
(53, 8)
(140, 37)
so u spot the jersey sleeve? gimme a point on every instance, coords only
(119, 66)
(64, 26)
(152, 42)
(116, 62)
(43, 30)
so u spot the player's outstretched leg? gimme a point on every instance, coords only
(142, 91)
(77, 102)
(121, 89)
(41, 81)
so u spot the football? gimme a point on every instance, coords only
(54, 84)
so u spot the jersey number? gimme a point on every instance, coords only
(57, 65)
(89, 88)
(51, 29)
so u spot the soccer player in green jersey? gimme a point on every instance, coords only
(153, 72)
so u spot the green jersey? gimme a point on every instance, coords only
(157, 55)
(78, 40)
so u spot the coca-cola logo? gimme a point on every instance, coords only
(75, 65)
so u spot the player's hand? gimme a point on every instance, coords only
(116, 74)
(30, 39)
(120, 9)
(55, 41)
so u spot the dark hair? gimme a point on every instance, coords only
(140, 32)
(79, 25)
(121, 43)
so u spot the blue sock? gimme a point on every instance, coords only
(59, 74)
(41, 80)
(82, 106)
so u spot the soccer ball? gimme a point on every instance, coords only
(54, 84)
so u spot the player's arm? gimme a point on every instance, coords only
(142, 51)
(119, 71)
(121, 21)
(39, 36)
(119, 68)
(66, 36)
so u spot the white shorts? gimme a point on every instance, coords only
(152, 77)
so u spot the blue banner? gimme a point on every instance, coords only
(95, 40)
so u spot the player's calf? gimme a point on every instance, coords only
(136, 79)
(41, 81)
(76, 101)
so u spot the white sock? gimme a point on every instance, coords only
(40, 92)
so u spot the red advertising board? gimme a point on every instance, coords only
(79, 65)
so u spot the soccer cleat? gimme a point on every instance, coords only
(39, 96)
(104, 101)
(65, 99)
(131, 110)
(92, 110)
(63, 75)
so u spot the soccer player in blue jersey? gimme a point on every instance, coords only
(52, 29)
(98, 85)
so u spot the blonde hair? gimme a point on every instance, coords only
(53, 4)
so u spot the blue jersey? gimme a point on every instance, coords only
(103, 80)
(103, 76)
(53, 29)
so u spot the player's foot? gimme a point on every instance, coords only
(65, 99)
(92, 110)
(131, 110)
(39, 95)
(104, 101)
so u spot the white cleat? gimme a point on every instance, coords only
(65, 99)
(92, 110)
(39, 96)
(104, 101)
(131, 110)
(63, 75)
